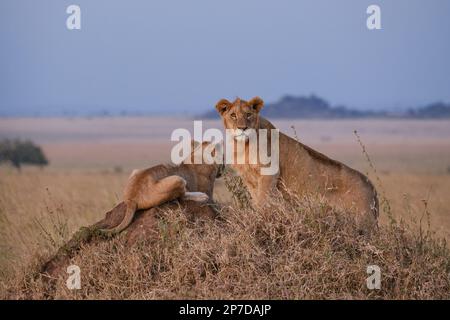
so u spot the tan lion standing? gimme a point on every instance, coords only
(302, 170)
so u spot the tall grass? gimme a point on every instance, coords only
(40, 209)
(300, 249)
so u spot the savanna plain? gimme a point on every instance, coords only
(290, 251)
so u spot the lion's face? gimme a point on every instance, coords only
(240, 116)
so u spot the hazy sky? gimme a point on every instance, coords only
(169, 56)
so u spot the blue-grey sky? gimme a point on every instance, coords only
(171, 56)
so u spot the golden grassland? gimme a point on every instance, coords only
(91, 159)
(289, 250)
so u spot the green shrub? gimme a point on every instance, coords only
(19, 152)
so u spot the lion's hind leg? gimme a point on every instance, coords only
(154, 194)
(164, 190)
(174, 187)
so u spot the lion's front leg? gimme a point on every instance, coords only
(265, 187)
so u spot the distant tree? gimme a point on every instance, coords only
(19, 152)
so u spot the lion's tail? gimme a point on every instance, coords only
(131, 207)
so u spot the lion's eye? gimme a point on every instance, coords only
(233, 116)
(249, 115)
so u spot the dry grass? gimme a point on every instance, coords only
(296, 250)
(36, 200)
(38, 205)
(293, 250)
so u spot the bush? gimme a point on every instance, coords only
(19, 152)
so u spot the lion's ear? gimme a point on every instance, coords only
(256, 103)
(222, 106)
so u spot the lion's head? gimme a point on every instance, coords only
(240, 116)
(210, 164)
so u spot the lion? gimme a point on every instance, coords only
(302, 170)
(149, 188)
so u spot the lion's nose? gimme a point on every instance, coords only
(243, 128)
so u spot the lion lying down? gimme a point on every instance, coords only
(160, 184)
(144, 223)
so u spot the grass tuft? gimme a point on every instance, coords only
(300, 249)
